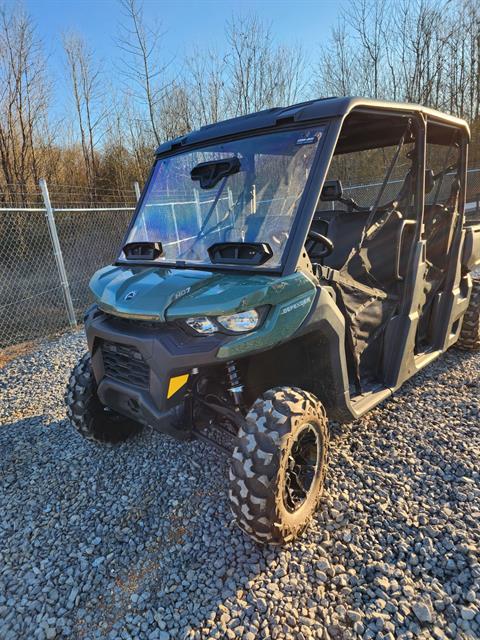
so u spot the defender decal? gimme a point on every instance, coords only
(296, 305)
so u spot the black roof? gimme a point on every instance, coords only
(320, 109)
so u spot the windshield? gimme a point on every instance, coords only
(253, 196)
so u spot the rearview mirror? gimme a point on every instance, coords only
(210, 173)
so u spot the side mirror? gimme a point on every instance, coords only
(332, 190)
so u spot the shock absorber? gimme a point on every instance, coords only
(236, 387)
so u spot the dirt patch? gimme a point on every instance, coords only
(16, 350)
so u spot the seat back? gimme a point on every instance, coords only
(345, 230)
(438, 221)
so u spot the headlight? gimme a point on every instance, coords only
(240, 322)
(202, 324)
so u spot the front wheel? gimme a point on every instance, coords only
(278, 467)
(88, 415)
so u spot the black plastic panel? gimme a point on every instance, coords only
(125, 364)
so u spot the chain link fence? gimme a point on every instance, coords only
(50, 249)
(364, 194)
(89, 240)
(48, 253)
(31, 298)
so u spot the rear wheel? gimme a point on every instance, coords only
(88, 415)
(278, 467)
(469, 339)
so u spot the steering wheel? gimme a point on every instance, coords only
(318, 238)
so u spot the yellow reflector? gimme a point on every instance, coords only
(176, 383)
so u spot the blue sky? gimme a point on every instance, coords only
(186, 23)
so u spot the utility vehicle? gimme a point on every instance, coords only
(282, 269)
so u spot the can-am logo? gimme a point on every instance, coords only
(130, 295)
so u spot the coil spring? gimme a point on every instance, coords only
(236, 386)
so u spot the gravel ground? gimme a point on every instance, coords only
(136, 541)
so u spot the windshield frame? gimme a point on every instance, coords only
(294, 245)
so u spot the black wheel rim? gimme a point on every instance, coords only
(302, 468)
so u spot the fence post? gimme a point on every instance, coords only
(175, 225)
(253, 201)
(57, 252)
(136, 187)
(198, 209)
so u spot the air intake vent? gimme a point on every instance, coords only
(251, 253)
(143, 250)
(125, 364)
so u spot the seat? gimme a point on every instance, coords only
(345, 230)
(438, 221)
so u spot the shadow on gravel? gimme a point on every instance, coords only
(132, 538)
(137, 540)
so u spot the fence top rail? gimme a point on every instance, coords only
(64, 210)
(87, 209)
(470, 204)
(21, 209)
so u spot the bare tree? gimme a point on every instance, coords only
(207, 86)
(259, 73)
(368, 21)
(420, 63)
(24, 101)
(337, 71)
(425, 51)
(140, 65)
(127, 127)
(290, 64)
(463, 61)
(175, 111)
(422, 51)
(86, 82)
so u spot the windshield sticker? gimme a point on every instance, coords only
(296, 305)
(308, 140)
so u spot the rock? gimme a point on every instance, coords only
(139, 536)
(467, 613)
(383, 582)
(354, 616)
(423, 611)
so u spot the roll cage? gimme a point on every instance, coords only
(332, 114)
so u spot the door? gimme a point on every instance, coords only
(370, 225)
(442, 218)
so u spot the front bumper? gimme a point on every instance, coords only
(133, 363)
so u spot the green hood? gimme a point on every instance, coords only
(156, 293)
(161, 294)
(145, 292)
